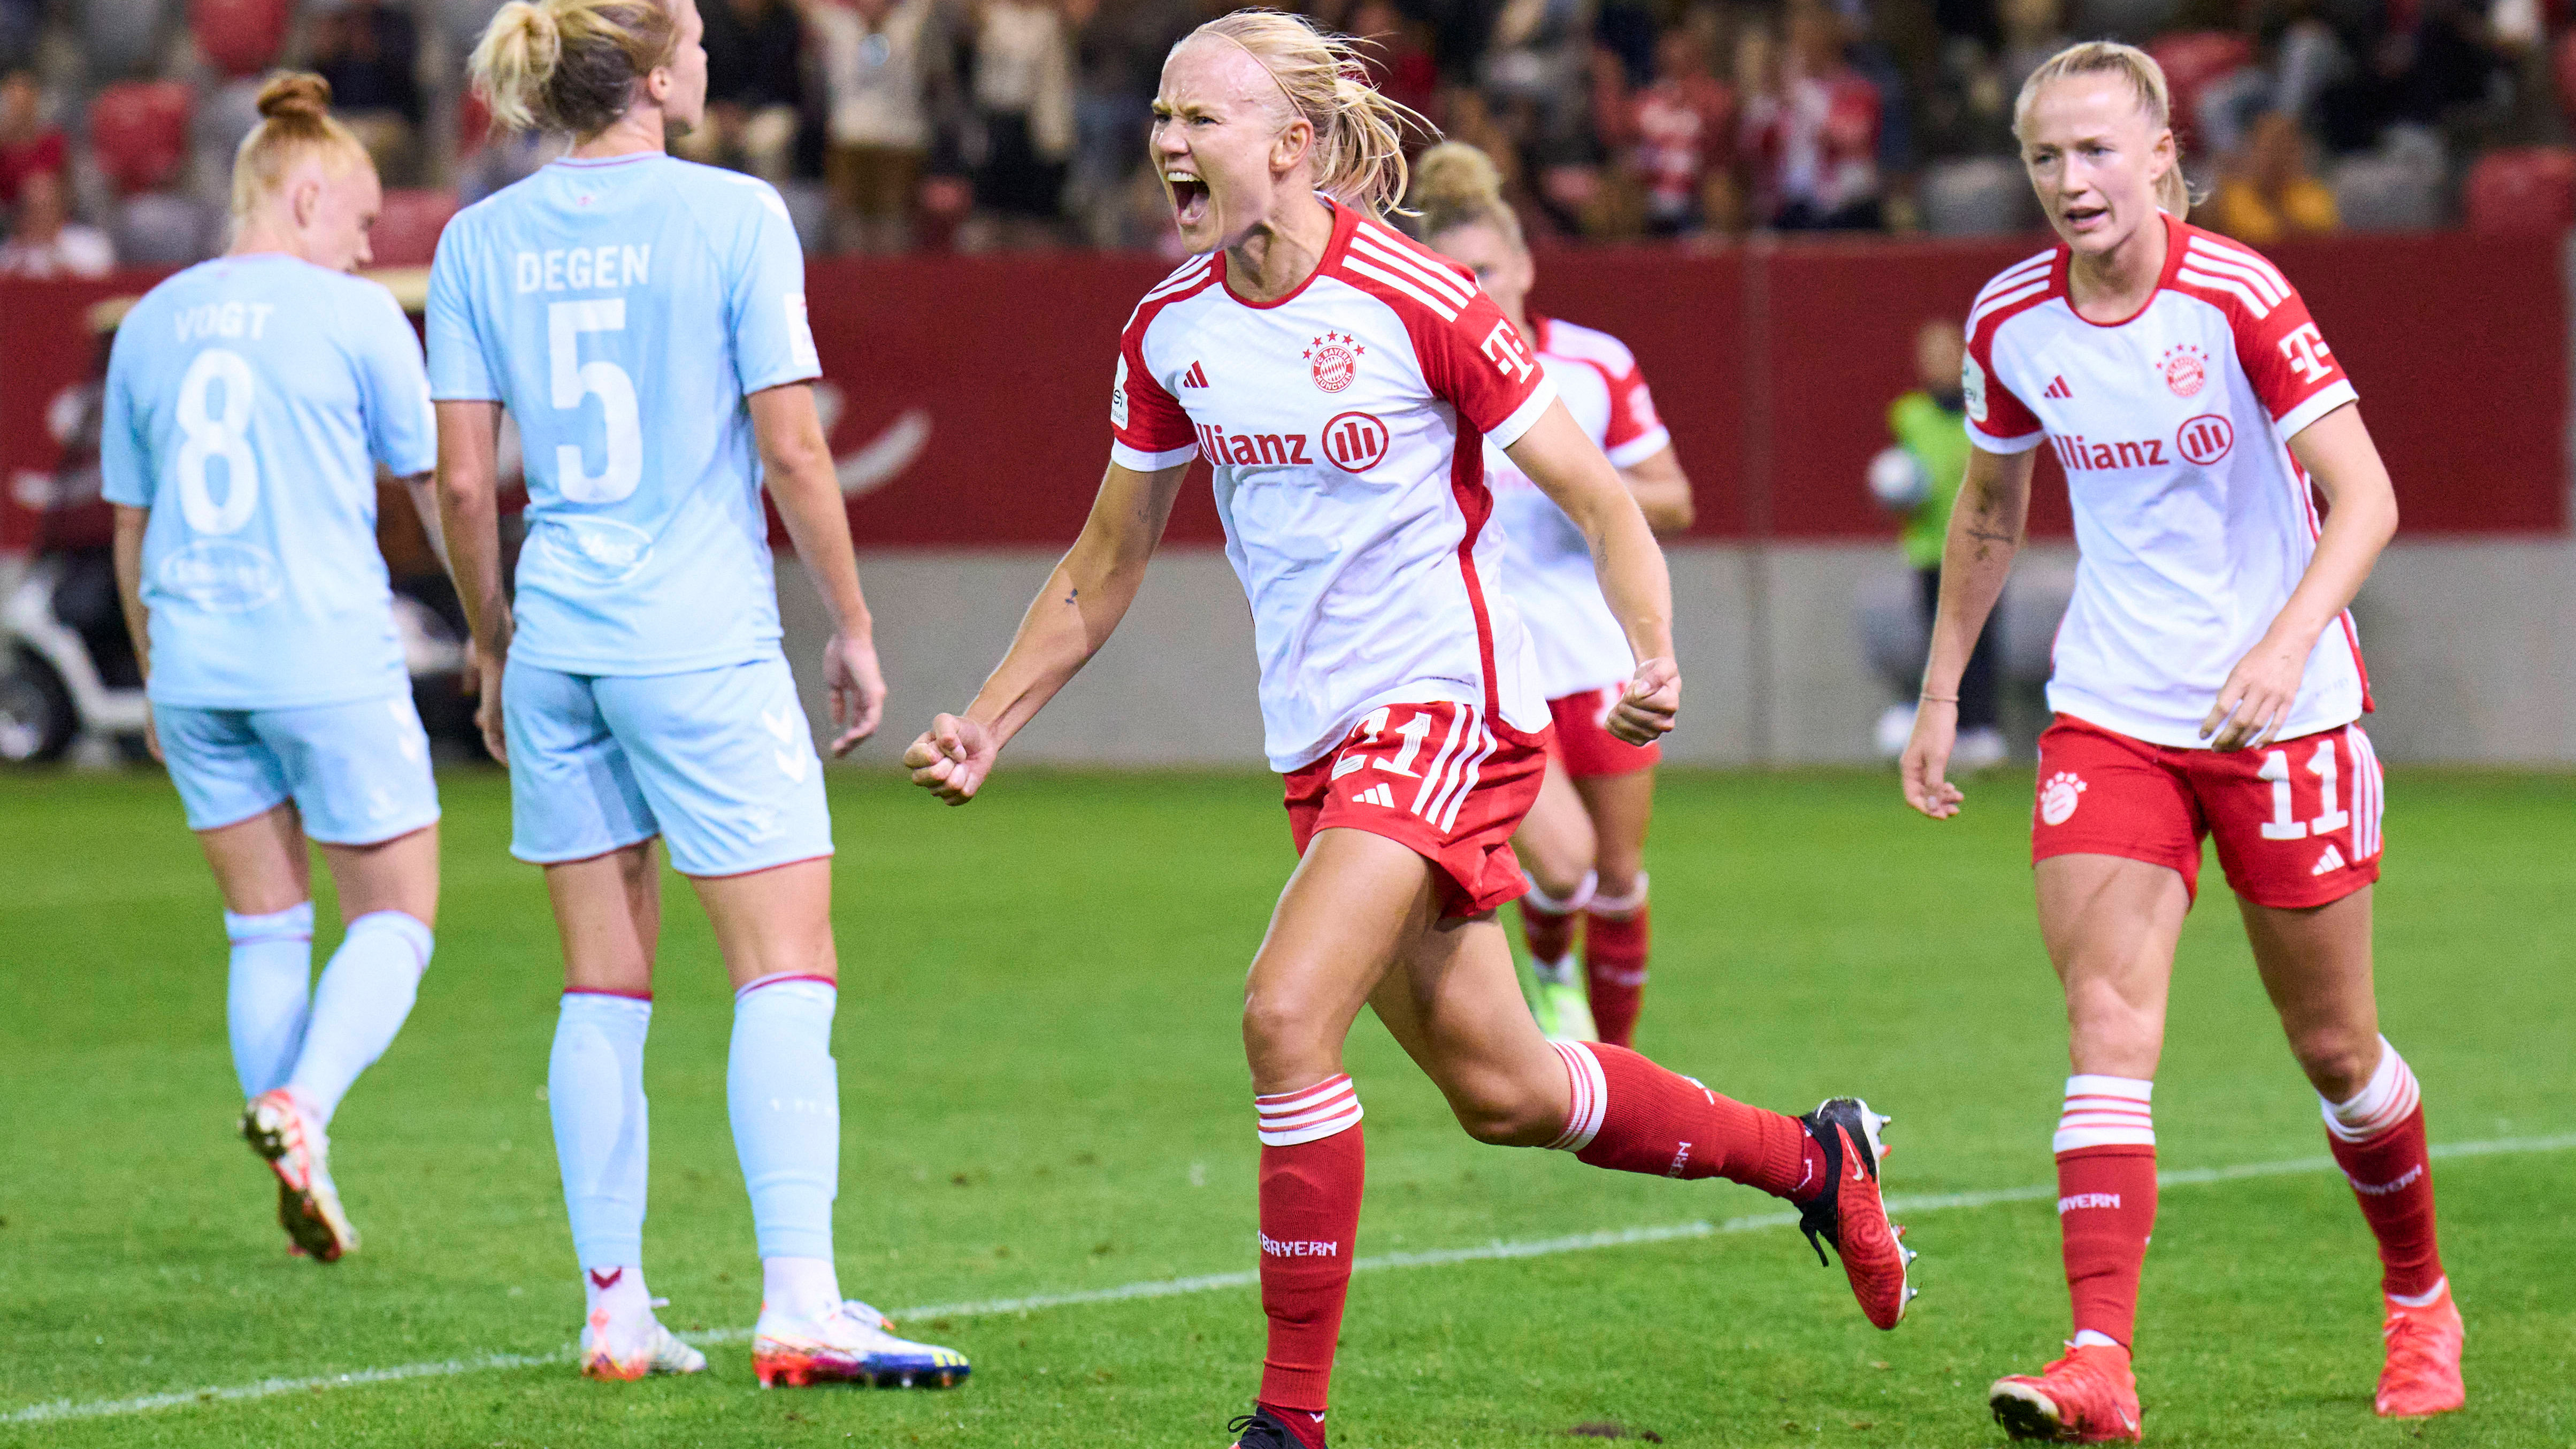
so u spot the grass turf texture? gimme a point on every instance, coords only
(1043, 1091)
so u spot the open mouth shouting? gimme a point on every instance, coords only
(1189, 194)
(2085, 216)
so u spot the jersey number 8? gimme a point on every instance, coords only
(575, 380)
(223, 434)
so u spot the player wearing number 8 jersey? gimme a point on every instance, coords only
(1341, 381)
(249, 402)
(2208, 682)
(643, 320)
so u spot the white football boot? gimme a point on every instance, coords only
(308, 1204)
(851, 1344)
(627, 1351)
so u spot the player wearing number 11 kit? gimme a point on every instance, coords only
(2208, 683)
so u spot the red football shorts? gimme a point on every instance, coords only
(2297, 821)
(1439, 778)
(1583, 742)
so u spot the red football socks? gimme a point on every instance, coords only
(2378, 1141)
(1630, 1115)
(1313, 1168)
(2106, 1207)
(1547, 924)
(1614, 964)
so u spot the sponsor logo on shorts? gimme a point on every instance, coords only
(2332, 860)
(2088, 1200)
(1380, 793)
(1274, 1248)
(789, 759)
(2058, 798)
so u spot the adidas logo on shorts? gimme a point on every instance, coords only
(1377, 794)
(2331, 860)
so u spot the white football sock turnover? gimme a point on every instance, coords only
(2388, 1098)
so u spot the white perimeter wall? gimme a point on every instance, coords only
(2469, 646)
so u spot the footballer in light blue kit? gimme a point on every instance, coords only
(250, 400)
(643, 321)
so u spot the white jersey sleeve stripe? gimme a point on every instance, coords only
(2019, 273)
(2233, 284)
(1136, 460)
(1641, 447)
(2213, 260)
(1177, 281)
(1366, 242)
(2296, 420)
(1526, 416)
(2002, 300)
(2243, 256)
(1447, 313)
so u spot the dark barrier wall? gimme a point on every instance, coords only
(983, 384)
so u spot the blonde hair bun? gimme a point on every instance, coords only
(1454, 185)
(569, 65)
(296, 93)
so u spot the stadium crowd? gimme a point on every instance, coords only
(976, 124)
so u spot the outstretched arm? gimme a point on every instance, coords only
(469, 515)
(1985, 532)
(1558, 456)
(128, 553)
(2337, 452)
(797, 462)
(1066, 624)
(1663, 491)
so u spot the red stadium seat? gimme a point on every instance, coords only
(2191, 60)
(406, 231)
(473, 123)
(2562, 63)
(240, 37)
(2528, 188)
(139, 131)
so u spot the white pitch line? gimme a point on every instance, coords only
(1214, 1282)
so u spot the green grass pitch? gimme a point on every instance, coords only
(1044, 1094)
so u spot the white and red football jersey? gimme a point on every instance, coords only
(1345, 423)
(1579, 642)
(2193, 522)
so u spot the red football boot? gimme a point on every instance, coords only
(1850, 1214)
(2087, 1397)
(2423, 1372)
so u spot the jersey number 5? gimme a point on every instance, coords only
(223, 432)
(575, 380)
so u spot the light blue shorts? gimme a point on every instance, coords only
(719, 762)
(358, 773)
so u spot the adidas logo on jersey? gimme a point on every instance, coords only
(2057, 387)
(1378, 794)
(2330, 861)
(1195, 377)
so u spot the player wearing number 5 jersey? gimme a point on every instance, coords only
(1341, 381)
(2208, 682)
(643, 320)
(249, 402)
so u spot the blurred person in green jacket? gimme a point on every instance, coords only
(1919, 479)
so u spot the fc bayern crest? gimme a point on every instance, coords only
(2185, 369)
(1336, 358)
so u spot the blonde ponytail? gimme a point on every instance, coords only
(1359, 133)
(294, 119)
(569, 65)
(2145, 78)
(1455, 185)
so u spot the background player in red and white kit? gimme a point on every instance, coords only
(2207, 682)
(1584, 841)
(1342, 380)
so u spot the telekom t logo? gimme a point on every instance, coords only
(2307, 352)
(1504, 346)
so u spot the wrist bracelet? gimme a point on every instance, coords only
(1930, 698)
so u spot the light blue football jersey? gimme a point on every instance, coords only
(622, 309)
(248, 402)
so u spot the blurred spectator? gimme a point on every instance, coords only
(1679, 132)
(28, 142)
(755, 83)
(370, 53)
(2268, 192)
(1399, 64)
(2033, 30)
(1118, 50)
(878, 127)
(1022, 90)
(2428, 62)
(1817, 135)
(21, 21)
(1919, 479)
(45, 242)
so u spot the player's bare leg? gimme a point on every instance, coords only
(1556, 847)
(1359, 922)
(2316, 965)
(2110, 926)
(1615, 926)
(774, 928)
